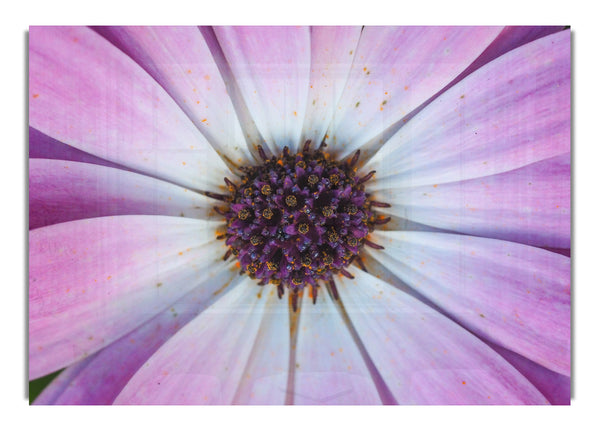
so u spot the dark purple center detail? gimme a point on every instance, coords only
(298, 219)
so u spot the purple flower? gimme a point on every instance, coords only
(442, 278)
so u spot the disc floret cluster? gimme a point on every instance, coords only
(298, 219)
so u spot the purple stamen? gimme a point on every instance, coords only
(261, 153)
(217, 196)
(230, 184)
(354, 159)
(306, 146)
(332, 288)
(379, 204)
(346, 273)
(373, 245)
(220, 211)
(366, 177)
(382, 220)
(298, 219)
(360, 263)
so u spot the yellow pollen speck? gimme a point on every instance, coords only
(109, 277)
(35, 96)
(405, 87)
(183, 163)
(207, 77)
(180, 253)
(189, 71)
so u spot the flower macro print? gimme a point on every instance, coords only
(300, 215)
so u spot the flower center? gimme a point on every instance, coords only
(298, 219)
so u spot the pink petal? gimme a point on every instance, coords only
(424, 357)
(266, 373)
(45, 147)
(271, 65)
(251, 133)
(332, 53)
(510, 37)
(92, 281)
(394, 71)
(512, 112)
(207, 361)
(329, 365)
(530, 205)
(514, 295)
(62, 382)
(99, 378)
(180, 60)
(61, 191)
(86, 93)
(555, 387)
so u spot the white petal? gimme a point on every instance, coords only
(332, 53)
(271, 65)
(395, 70)
(85, 92)
(180, 60)
(514, 295)
(329, 366)
(424, 357)
(513, 111)
(205, 362)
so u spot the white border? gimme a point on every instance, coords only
(15, 22)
